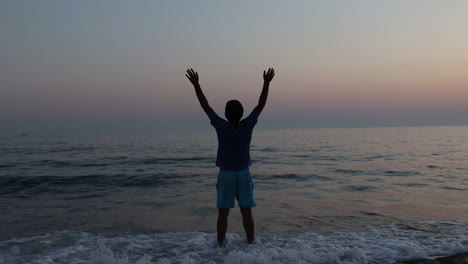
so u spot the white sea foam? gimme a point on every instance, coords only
(386, 244)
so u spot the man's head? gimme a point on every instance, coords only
(233, 111)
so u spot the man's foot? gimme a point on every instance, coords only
(222, 244)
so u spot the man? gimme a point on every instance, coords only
(233, 158)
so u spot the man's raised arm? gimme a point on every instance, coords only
(193, 78)
(267, 77)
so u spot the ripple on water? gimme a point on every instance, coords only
(350, 172)
(360, 188)
(401, 173)
(412, 184)
(452, 188)
(295, 177)
(370, 213)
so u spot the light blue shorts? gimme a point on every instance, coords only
(235, 184)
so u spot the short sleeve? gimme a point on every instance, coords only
(252, 119)
(216, 121)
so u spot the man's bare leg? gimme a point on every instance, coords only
(222, 224)
(248, 222)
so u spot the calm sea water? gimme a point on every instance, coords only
(323, 195)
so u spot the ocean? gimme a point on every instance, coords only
(344, 195)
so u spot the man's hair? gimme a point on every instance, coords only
(233, 111)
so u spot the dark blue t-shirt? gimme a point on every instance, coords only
(233, 142)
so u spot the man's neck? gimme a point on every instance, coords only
(234, 124)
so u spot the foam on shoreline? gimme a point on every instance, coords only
(386, 244)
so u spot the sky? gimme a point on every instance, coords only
(97, 65)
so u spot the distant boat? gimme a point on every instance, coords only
(24, 134)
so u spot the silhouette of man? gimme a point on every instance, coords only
(233, 158)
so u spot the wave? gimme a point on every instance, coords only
(387, 244)
(109, 162)
(25, 186)
(390, 173)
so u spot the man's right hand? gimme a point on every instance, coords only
(192, 76)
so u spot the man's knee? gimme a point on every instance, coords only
(223, 212)
(246, 211)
